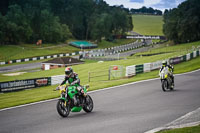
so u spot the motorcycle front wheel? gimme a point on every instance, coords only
(88, 105)
(164, 85)
(62, 109)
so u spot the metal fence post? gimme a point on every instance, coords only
(109, 74)
(88, 76)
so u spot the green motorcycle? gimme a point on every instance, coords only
(72, 100)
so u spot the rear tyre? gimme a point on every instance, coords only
(88, 105)
(164, 85)
(62, 109)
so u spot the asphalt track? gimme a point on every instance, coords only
(132, 108)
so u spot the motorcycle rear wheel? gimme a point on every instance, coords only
(88, 105)
(62, 109)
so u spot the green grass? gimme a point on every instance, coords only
(106, 44)
(11, 52)
(171, 51)
(148, 24)
(194, 129)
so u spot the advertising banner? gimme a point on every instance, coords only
(176, 60)
(24, 84)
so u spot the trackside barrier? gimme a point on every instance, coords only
(147, 67)
(195, 54)
(187, 57)
(92, 53)
(139, 68)
(18, 85)
(57, 79)
(130, 71)
(156, 65)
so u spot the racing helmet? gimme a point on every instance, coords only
(164, 63)
(68, 71)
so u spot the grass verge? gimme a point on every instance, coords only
(195, 129)
(43, 93)
(11, 52)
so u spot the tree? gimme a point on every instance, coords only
(182, 24)
(18, 26)
(51, 30)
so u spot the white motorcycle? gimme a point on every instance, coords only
(166, 80)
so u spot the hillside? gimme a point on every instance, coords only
(148, 24)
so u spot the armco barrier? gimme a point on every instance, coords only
(92, 53)
(187, 57)
(197, 53)
(184, 58)
(139, 68)
(156, 65)
(147, 67)
(130, 71)
(38, 58)
(135, 69)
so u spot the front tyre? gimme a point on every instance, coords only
(62, 109)
(164, 85)
(88, 105)
(172, 87)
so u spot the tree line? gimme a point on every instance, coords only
(26, 21)
(182, 24)
(145, 10)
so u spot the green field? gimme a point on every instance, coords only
(11, 52)
(165, 50)
(37, 94)
(148, 24)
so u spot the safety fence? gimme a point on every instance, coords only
(39, 58)
(147, 67)
(114, 72)
(112, 50)
(91, 53)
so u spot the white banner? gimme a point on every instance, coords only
(130, 71)
(187, 57)
(57, 79)
(147, 67)
(156, 65)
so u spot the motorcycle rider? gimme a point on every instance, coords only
(171, 69)
(72, 78)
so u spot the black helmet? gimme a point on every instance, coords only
(68, 71)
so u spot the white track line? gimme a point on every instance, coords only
(167, 127)
(93, 91)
